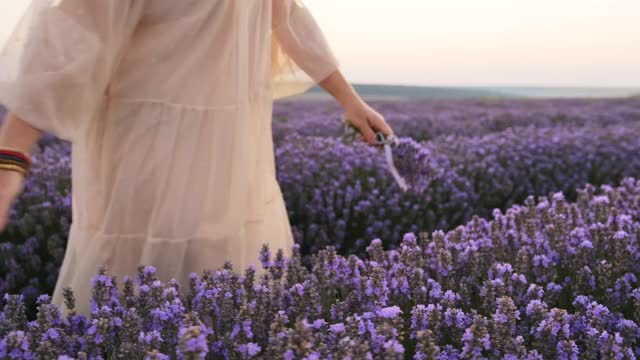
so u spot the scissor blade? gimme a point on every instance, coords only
(399, 179)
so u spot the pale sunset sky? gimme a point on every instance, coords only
(474, 42)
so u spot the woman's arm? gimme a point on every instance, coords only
(337, 86)
(359, 113)
(302, 39)
(18, 134)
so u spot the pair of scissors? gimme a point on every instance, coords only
(387, 142)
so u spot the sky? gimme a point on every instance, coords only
(474, 42)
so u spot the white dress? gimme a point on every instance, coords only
(168, 107)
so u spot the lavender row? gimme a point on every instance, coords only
(342, 194)
(548, 279)
(430, 118)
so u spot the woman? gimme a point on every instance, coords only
(168, 108)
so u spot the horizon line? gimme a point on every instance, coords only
(504, 86)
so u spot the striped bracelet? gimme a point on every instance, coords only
(15, 159)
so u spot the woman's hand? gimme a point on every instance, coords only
(359, 113)
(11, 185)
(367, 120)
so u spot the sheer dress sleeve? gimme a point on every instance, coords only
(300, 53)
(56, 64)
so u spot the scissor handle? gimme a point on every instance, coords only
(381, 139)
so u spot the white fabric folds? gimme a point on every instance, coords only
(168, 105)
(59, 58)
(301, 55)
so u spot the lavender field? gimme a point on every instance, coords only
(519, 239)
(462, 158)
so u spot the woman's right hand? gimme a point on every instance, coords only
(11, 185)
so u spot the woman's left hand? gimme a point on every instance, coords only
(368, 121)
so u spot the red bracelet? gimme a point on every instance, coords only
(21, 154)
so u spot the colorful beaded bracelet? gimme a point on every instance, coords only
(15, 159)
